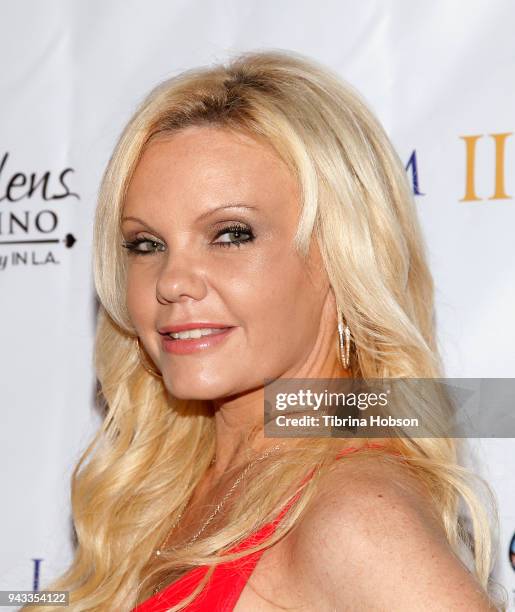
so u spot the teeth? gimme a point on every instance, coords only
(196, 333)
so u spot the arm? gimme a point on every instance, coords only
(370, 541)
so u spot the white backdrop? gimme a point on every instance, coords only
(437, 74)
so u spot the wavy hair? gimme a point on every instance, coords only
(152, 449)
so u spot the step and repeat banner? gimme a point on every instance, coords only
(441, 78)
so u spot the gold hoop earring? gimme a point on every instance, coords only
(142, 361)
(343, 340)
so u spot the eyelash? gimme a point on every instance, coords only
(131, 245)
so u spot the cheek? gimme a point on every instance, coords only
(278, 303)
(139, 299)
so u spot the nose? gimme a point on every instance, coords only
(179, 281)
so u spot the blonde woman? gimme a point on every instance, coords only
(255, 223)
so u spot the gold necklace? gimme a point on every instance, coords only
(216, 510)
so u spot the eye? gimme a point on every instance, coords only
(241, 234)
(132, 246)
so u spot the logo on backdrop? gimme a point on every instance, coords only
(36, 574)
(31, 235)
(412, 167)
(498, 187)
(474, 144)
(511, 552)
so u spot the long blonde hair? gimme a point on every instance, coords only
(152, 449)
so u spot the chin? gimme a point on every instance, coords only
(196, 390)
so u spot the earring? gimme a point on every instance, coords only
(142, 360)
(344, 340)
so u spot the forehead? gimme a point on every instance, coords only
(203, 165)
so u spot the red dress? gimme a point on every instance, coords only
(228, 579)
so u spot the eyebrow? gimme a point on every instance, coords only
(203, 216)
(208, 213)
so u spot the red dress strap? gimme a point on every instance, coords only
(229, 578)
(227, 581)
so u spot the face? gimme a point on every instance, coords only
(213, 214)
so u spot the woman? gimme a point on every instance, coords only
(260, 205)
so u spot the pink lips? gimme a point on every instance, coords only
(168, 329)
(190, 345)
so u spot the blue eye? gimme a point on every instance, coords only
(237, 231)
(132, 246)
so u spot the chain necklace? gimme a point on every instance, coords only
(216, 510)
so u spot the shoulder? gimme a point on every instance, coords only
(371, 540)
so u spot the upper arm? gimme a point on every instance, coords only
(370, 541)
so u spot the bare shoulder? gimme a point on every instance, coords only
(371, 541)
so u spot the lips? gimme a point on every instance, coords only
(184, 346)
(169, 329)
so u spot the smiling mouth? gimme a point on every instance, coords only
(194, 340)
(195, 334)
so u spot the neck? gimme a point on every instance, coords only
(242, 416)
